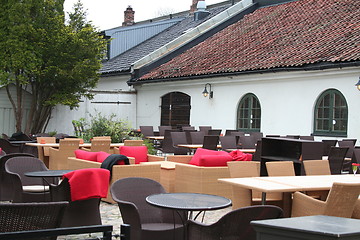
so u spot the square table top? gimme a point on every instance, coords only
(291, 183)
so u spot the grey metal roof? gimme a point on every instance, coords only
(122, 62)
(124, 38)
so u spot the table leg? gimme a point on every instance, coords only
(287, 204)
(263, 198)
(242, 197)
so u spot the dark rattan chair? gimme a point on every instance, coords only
(215, 132)
(179, 138)
(28, 189)
(211, 142)
(162, 129)
(234, 225)
(78, 213)
(247, 142)
(8, 147)
(205, 129)
(147, 130)
(197, 137)
(228, 142)
(349, 144)
(327, 144)
(6, 184)
(336, 159)
(31, 216)
(146, 221)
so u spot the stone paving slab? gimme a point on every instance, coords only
(110, 215)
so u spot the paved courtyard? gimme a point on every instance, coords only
(110, 215)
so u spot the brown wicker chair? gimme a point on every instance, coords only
(211, 142)
(100, 144)
(28, 189)
(58, 157)
(239, 169)
(234, 225)
(146, 221)
(317, 167)
(78, 213)
(43, 152)
(336, 159)
(339, 203)
(280, 168)
(6, 184)
(133, 142)
(31, 216)
(147, 131)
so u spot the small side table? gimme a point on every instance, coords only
(307, 228)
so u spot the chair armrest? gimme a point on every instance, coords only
(154, 158)
(179, 158)
(304, 205)
(198, 230)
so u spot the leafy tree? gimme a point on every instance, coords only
(56, 61)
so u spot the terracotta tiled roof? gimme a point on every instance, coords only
(287, 35)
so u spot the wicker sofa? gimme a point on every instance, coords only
(196, 179)
(151, 171)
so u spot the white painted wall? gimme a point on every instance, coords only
(109, 92)
(287, 99)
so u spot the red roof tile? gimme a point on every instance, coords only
(292, 34)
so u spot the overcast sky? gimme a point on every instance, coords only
(106, 14)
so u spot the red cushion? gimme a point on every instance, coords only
(195, 160)
(214, 160)
(137, 152)
(101, 156)
(82, 154)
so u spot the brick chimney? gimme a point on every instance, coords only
(129, 17)
(193, 6)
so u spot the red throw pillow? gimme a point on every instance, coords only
(137, 152)
(101, 156)
(214, 160)
(238, 155)
(82, 154)
(195, 160)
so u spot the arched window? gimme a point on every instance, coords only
(175, 109)
(249, 114)
(331, 114)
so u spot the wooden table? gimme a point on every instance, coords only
(242, 187)
(158, 138)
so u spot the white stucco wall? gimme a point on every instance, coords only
(287, 99)
(112, 96)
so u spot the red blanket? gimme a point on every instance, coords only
(88, 183)
(238, 155)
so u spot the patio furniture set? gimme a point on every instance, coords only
(194, 174)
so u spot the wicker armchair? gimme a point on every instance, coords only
(339, 203)
(31, 216)
(6, 184)
(239, 169)
(58, 157)
(80, 212)
(146, 221)
(317, 167)
(43, 152)
(8, 147)
(97, 145)
(191, 178)
(151, 171)
(28, 189)
(234, 225)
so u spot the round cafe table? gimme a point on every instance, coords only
(189, 202)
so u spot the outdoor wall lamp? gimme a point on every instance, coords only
(205, 93)
(358, 84)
